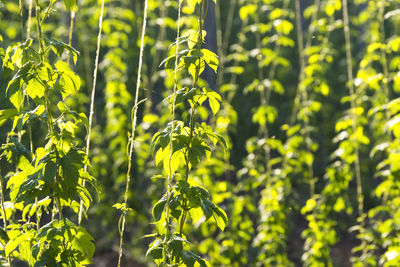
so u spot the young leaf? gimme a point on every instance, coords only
(154, 246)
(59, 47)
(84, 242)
(220, 217)
(70, 4)
(69, 81)
(35, 88)
(15, 93)
(210, 58)
(159, 208)
(7, 114)
(189, 259)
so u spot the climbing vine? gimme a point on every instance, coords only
(180, 147)
(47, 180)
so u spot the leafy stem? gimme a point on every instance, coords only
(193, 111)
(170, 174)
(3, 211)
(42, 52)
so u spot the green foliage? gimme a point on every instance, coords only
(180, 148)
(49, 178)
(305, 169)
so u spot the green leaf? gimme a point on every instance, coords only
(84, 242)
(162, 138)
(207, 207)
(220, 217)
(6, 114)
(32, 187)
(264, 114)
(214, 104)
(247, 10)
(193, 38)
(69, 81)
(159, 208)
(210, 58)
(14, 150)
(198, 149)
(13, 244)
(192, 5)
(3, 236)
(35, 88)
(70, 4)
(189, 258)
(214, 137)
(84, 196)
(194, 62)
(84, 175)
(59, 47)
(49, 171)
(15, 183)
(283, 26)
(175, 244)
(15, 93)
(156, 245)
(71, 163)
(196, 214)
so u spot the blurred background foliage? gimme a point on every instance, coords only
(288, 183)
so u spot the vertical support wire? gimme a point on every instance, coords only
(71, 26)
(21, 14)
(352, 92)
(92, 98)
(386, 78)
(350, 78)
(302, 50)
(302, 92)
(132, 135)
(223, 41)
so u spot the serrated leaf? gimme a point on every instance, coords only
(49, 171)
(214, 104)
(35, 88)
(207, 208)
(220, 217)
(193, 38)
(175, 244)
(210, 58)
(69, 82)
(189, 258)
(15, 93)
(84, 242)
(71, 163)
(159, 208)
(59, 48)
(198, 149)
